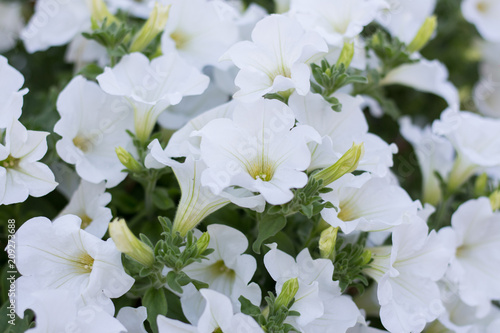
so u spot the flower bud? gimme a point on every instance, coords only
(367, 256)
(346, 55)
(495, 200)
(423, 35)
(347, 163)
(127, 243)
(128, 160)
(151, 28)
(327, 242)
(202, 242)
(481, 185)
(99, 11)
(288, 292)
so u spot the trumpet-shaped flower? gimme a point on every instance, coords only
(11, 24)
(367, 204)
(407, 273)
(92, 125)
(151, 87)
(227, 271)
(483, 14)
(60, 255)
(11, 94)
(477, 257)
(276, 59)
(259, 150)
(21, 175)
(133, 318)
(218, 316)
(89, 202)
(487, 90)
(339, 130)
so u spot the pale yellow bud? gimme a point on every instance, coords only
(99, 11)
(346, 55)
(346, 164)
(128, 160)
(288, 292)
(151, 28)
(127, 243)
(327, 242)
(495, 200)
(423, 35)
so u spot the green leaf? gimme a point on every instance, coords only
(161, 199)
(269, 226)
(91, 71)
(173, 283)
(248, 308)
(155, 302)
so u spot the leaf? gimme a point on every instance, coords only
(91, 71)
(173, 283)
(155, 302)
(248, 308)
(161, 199)
(269, 226)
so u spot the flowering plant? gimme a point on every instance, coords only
(250, 166)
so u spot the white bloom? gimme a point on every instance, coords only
(218, 314)
(11, 94)
(151, 87)
(227, 271)
(487, 91)
(434, 153)
(339, 130)
(257, 150)
(11, 24)
(141, 9)
(60, 255)
(477, 259)
(277, 58)
(484, 15)
(21, 175)
(367, 204)
(133, 318)
(82, 51)
(199, 30)
(89, 203)
(336, 21)
(406, 273)
(427, 76)
(92, 125)
(318, 300)
(404, 18)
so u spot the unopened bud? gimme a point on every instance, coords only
(128, 160)
(127, 243)
(366, 256)
(346, 55)
(327, 242)
(481, 185)
(347, 163)
(288, 292)
(495, 200)
(202, 242)
(151, 28)
(99, 11)
(423, 35)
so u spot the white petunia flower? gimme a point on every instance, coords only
(258, 150)
(475, 139)
(477, 259)
(11, 94)
(218, 316)
(277, 58)
(406, 273)
(151, 86)
(487, 91)
(318, 299)
(434, 153)
(484, 15)
(21, 175)
(426, 75)
(227, 271)
(60, 255)
(133, 318)
(82, 51)
(367, 204)
(199, 30)
(11, 24)
(92, 125)
(339, 130)
(89, 202)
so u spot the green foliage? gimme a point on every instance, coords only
(115, 37)
(269, 225)
(155, 302)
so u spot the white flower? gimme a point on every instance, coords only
(11, 24)
(151, 87)
(21, 175)
(477, 258)
(60, 255)
(404, 18)
(133, 318)
(11, 94)
(141, 9)
(337, 21)
(367, 204)
(227, 271)
(475, 139)
(339, 130)
(89, 202)
(427, 76)
(82, 51)
(407, 273)
(318, 300)
(257, 150)
(277, 58)
(434, 153)
(92, 125)
(218, 314)
(483, 14)
(487, 91)
(199, 30)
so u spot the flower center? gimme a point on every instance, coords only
(220, 268)
(86, 263)
(482, 7)
(10, 162)
(82, 143)
(218, 330)
(86, 220)
(262, 169)
(179, 38)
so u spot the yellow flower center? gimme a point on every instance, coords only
(82, 143)
(482, 7)
(220, 268)
(10, 162)
(86, 263)
(261, 169)
(86, 220)
(179, 38)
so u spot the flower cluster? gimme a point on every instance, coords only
(217, 166)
